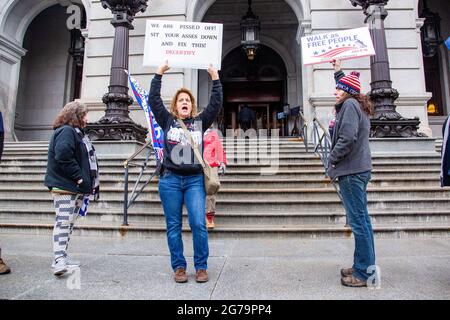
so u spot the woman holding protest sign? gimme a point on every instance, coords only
(350, 163)
(182, 179)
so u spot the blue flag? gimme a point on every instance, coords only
(447, 43)
(84, 207)
(156, 133)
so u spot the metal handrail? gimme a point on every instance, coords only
(128, 201)
(322, 142)
(304, 130)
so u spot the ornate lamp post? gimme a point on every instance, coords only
(431, 32)
(250, 26)
(116, 124)
(386, 122)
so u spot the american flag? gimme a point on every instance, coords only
(156, 133)
(334, 52)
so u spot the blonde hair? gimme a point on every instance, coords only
(173, 104)
(72, 114)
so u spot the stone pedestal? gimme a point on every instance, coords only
(403, 146)
(117, 149)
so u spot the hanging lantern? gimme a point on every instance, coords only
(431, 34)
(250, 27)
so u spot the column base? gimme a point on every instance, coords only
(116, 131)
(117, 149)
(399, 128)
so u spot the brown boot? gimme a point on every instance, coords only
(180, 275)
(4, 269)
(346, 272)
(201, 276)
(352, 281)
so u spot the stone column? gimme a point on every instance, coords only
(386, 122)
(116, 124)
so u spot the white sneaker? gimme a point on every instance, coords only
(69, 262)
(60, 267)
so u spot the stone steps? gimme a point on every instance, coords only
(246, 205)
(230, 232)
(42, 146)
(272, 194)
(257, 199)
(233, 181)
(255, 173)
(235, 218)
(313, 163)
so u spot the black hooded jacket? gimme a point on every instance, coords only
(68, 162)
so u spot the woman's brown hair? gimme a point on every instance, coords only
(72, 114)
(173, 104)
(364, 102)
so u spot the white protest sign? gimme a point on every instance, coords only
(345, 44)
(183, 44)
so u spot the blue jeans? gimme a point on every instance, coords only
(353, 190)
(175, 190)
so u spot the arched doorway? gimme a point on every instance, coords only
(50, 73)
(36, 42)
(437, 66)
(259, 84)
(279, 57)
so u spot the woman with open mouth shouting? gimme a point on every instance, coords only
(181, 180)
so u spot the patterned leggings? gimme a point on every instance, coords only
(67, 207)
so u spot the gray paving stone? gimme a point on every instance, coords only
(243, 269)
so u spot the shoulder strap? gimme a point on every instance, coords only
(192, 143)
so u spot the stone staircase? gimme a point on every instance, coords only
(257, 198)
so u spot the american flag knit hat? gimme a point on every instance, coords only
(350, 83)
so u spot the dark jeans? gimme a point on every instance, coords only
(353, 189)
(175, 190)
